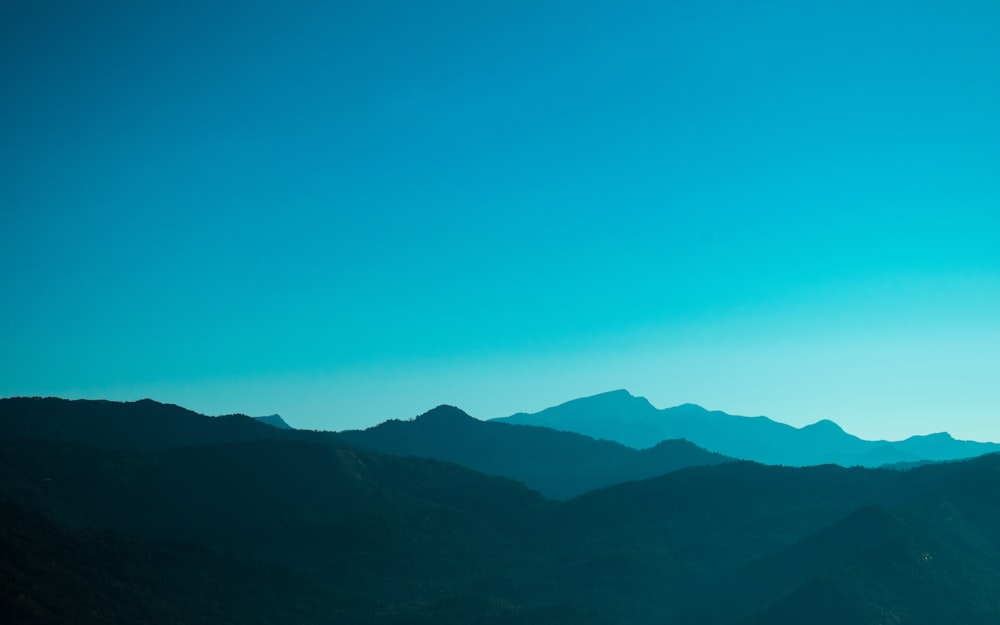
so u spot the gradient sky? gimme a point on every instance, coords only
(350, 211)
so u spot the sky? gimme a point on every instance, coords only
(345, 212)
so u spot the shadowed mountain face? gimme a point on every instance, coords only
(558, 464)
(306, 529)
(633, 421)
(274, 421)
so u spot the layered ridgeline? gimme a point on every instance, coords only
(633, 421)
(236, 521)
(558, 464)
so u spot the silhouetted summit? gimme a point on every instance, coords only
(619, 405)
(445, 415)
(274, 421)
(826, 426)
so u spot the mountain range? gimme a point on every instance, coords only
(633, 421)
(143, 512)
(560, 465)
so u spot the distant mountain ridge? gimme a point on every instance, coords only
(558, 464)
(633, 421)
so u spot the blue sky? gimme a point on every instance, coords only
(347, 212)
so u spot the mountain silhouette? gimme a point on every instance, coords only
(143, 424)
(558, 464)
(303, 527)
(633, 421)
(274, 421)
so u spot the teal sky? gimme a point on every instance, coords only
(347, 212)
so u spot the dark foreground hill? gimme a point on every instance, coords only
(143, 424)
(558, 464)
(633, 421)
(56, 574)
(309, 531)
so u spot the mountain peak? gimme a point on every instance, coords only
(690, 408)
(825, 426)
(620, 392)
(274, 420)
(619, 397)
(445, 414)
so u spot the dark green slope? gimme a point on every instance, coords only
(348, 517)
(399, 538)
(749, 587)
(663, 548)
(773, 576)
(400, 535)
(707, 514)
(53, 574)
(935, 570)
(709, 544)
(558, 464)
